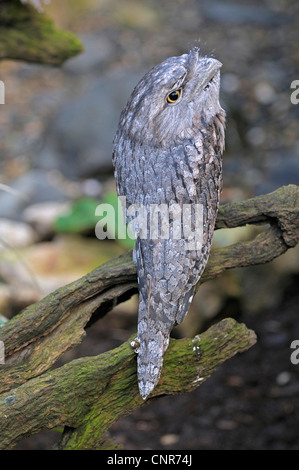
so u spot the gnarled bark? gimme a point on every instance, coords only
(88, 394)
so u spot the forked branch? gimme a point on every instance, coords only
(88, 394)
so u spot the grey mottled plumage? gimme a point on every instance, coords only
(170, 153)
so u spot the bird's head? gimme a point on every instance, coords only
(173, 100)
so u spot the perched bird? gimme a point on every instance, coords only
(168, 151)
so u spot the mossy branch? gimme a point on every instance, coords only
(90, 393)
(105, 386)
(26, 34)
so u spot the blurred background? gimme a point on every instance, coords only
(57, 127)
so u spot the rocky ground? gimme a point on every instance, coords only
(56, 132)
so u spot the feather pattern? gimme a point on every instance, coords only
(170, 154)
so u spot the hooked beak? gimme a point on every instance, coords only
(204, 69)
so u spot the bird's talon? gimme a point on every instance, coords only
(135, 344)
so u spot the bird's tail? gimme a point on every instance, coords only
(153, 337)
(158, 313)
(149, 362)
(155, 322)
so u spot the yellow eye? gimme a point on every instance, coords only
(173, 96)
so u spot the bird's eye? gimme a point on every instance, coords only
(173, 96)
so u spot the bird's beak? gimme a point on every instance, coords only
(207, 69)
(203, 69)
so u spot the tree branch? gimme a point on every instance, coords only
(38, 336)
(90, 393)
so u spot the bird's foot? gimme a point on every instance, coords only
(135, 344)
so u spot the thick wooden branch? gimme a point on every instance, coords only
(279, 210)
(58, 322)
(26, 34)
(90, 393)
(37, 337)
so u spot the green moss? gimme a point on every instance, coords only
(28, 35)
(188, 361)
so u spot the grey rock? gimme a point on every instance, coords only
(98, 49)
(42, 216)
(15, 234)
(284, 170)
(33, 187)
(78, 141)
(224, 12)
